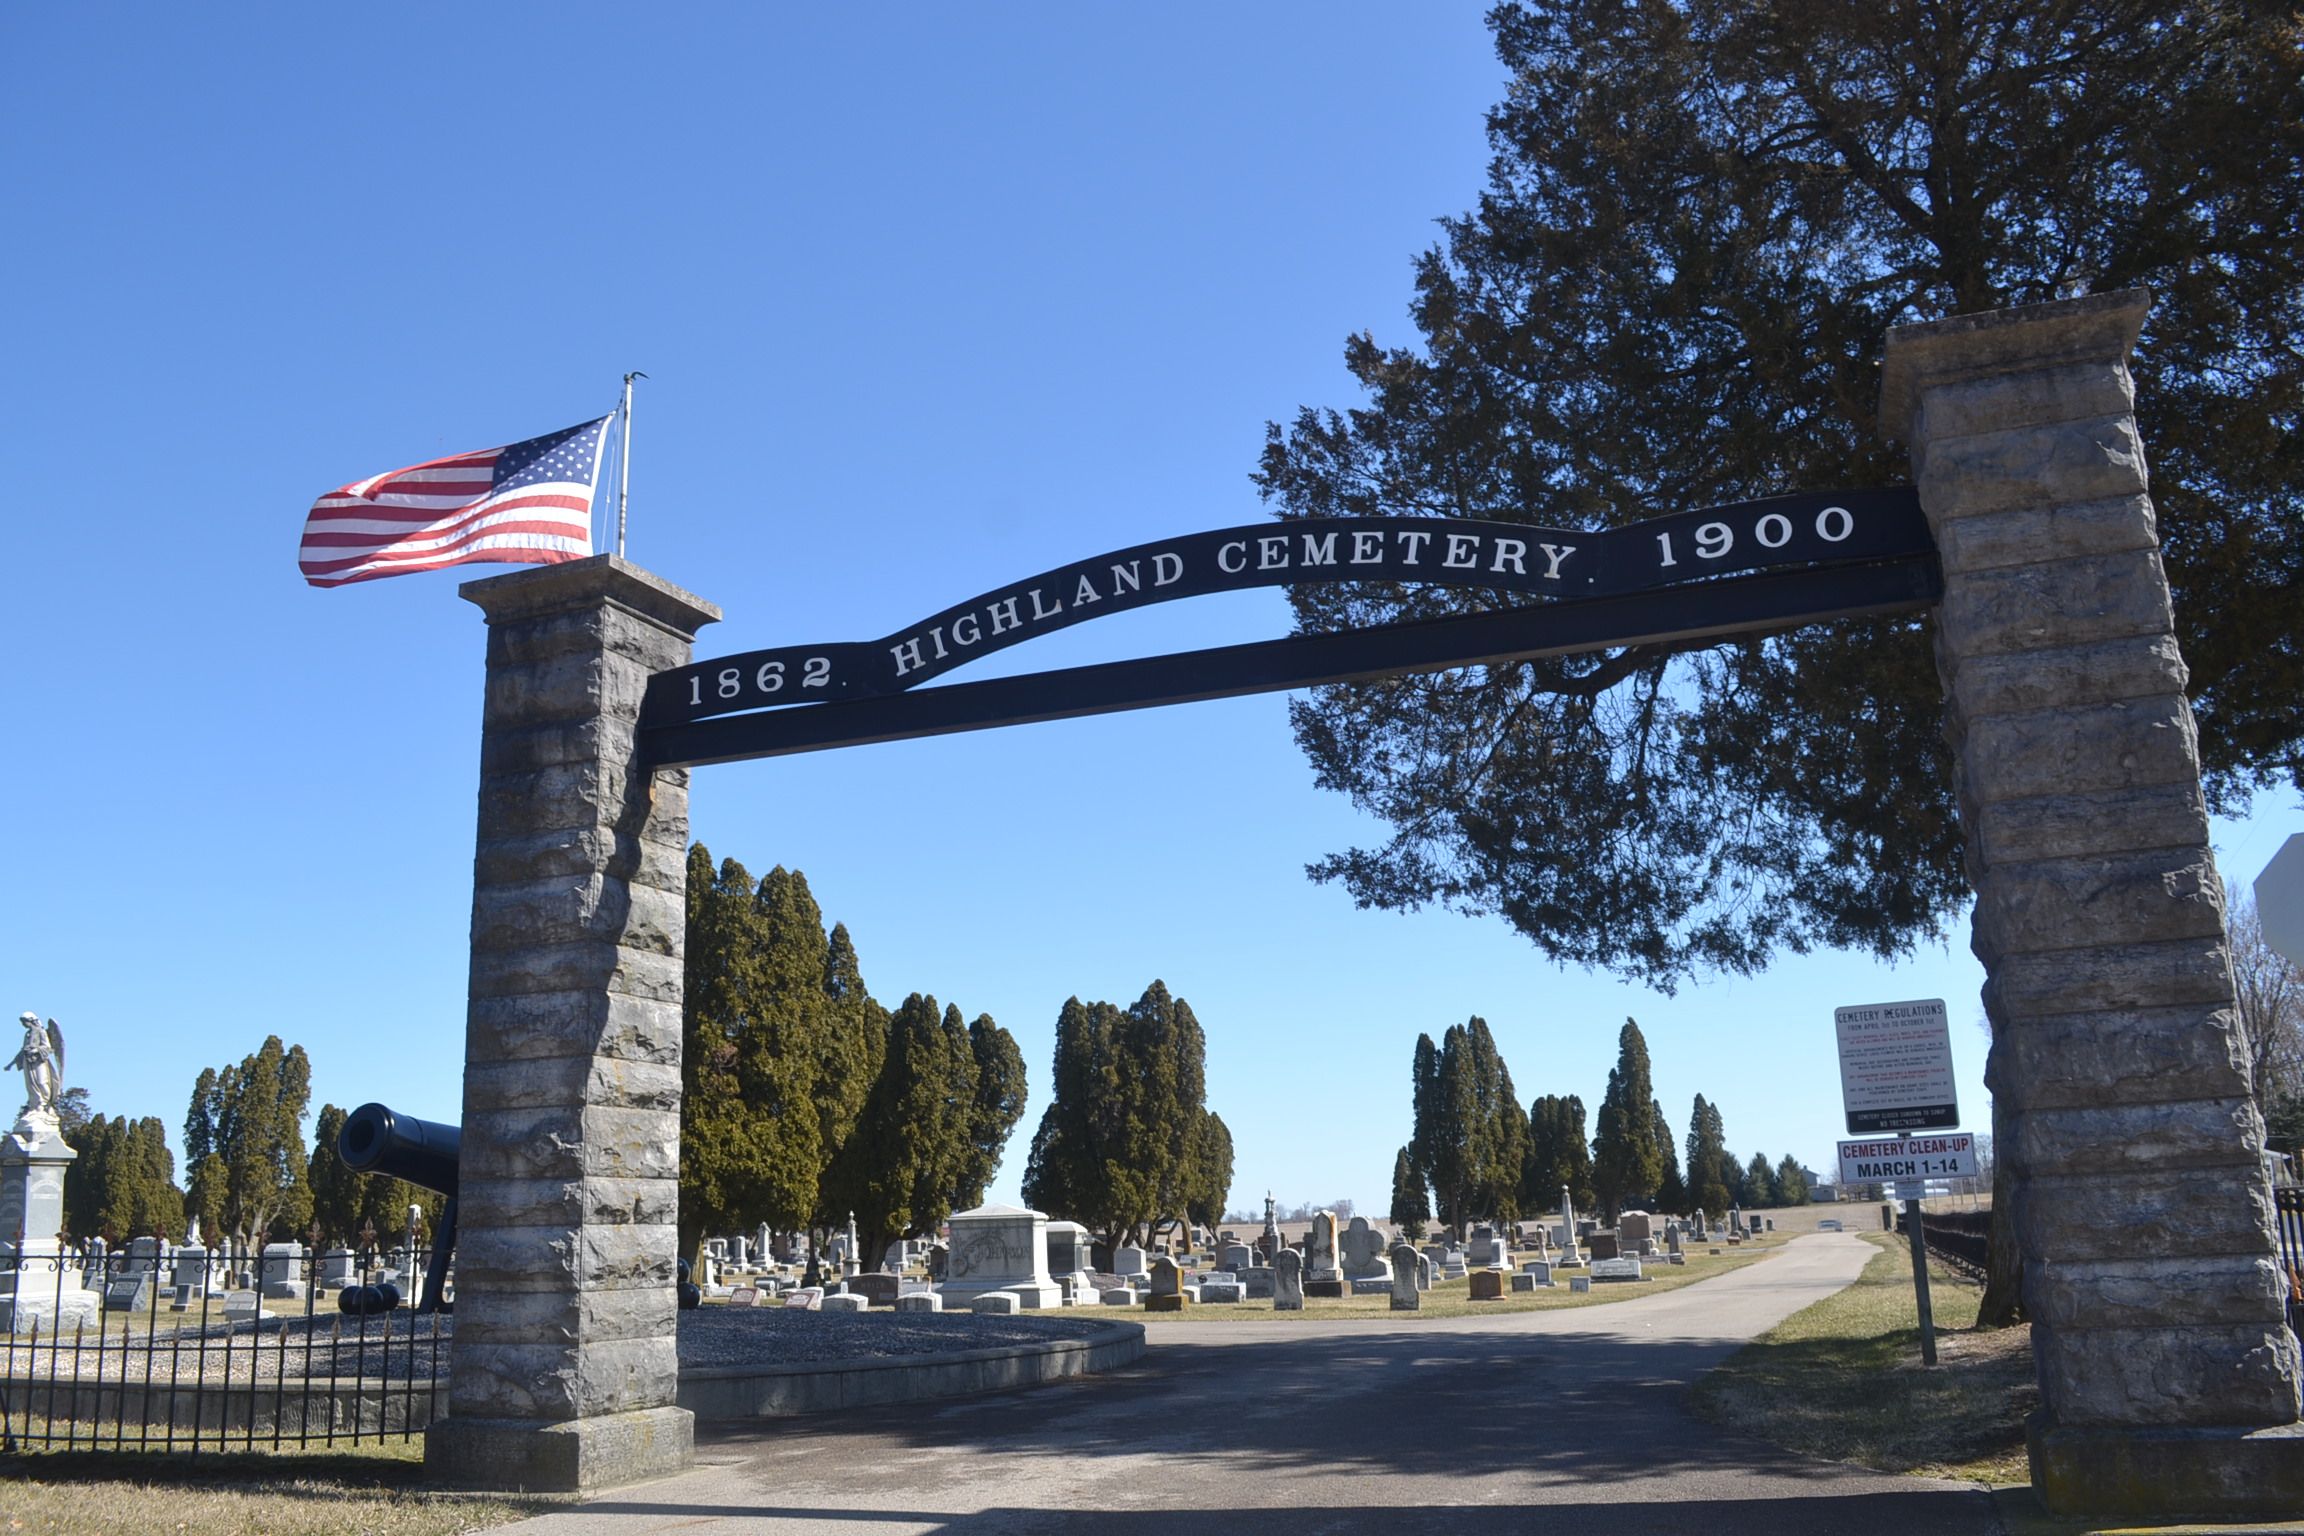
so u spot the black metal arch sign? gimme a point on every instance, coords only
(1722, 570)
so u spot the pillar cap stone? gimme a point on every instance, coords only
(2100, 328)
(579, 584)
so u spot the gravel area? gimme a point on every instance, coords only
(775, 1336)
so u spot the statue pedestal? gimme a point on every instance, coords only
(37, 1290)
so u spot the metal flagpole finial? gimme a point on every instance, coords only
(624, 462)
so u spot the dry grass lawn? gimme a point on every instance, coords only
(372, 1492)
(1842, 1380)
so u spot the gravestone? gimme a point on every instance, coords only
(919, 1301)
(844, 1301)
(35, 1293)
(1406, 1295)
(1258, 1279)
(242, 1306)
(1323, 1272)
(1672, 1238)
(1634, 1228)
(1604, 1246)
(129, 1293)
(878, 1288)
(1565, 1234)
(1214, 1291)
(999, 1303)
(1616, 1269)
(744, 1296)
(1130, 1260)
(1487, 1285)
(283, 1271)
(805, 1298)
(1235, 1258)
(339, 1268)
(1579, 1283)
(1538, 1272)
(1363, 1250)
(1288, 1281)
(1425, 1272)
(1116, 1296)
(999, 1248)
(1487, 1250)
(1167, 1290)
(1068, 1247)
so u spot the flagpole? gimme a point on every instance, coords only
(624, 463)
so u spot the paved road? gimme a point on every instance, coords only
(1554, 1421)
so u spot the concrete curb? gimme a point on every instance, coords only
(721, 1393)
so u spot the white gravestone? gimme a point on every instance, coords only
(999, 1248)
(1288, 1281)
(1364, 1251)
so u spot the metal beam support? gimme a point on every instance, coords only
(1733, 605)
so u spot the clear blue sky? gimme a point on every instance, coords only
(929, 299)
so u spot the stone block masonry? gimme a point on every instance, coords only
(2169, 1380)
(564, 1372)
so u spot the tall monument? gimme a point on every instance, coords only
(36, 1293)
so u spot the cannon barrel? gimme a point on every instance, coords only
(375, 1140)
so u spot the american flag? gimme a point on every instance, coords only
(526, 504)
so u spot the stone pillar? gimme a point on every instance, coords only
(2168, 1376)
(565, 1364)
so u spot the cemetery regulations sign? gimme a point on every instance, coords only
(1902, 1158)
(1721, 570)
(1896, 1067)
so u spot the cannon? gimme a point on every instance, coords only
(375, 1140)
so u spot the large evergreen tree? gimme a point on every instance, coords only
(244, 1146)
(1671, 1190)
(1710, 1170)
(997, 1105)
(897, 1171)
(1210, 1182)
(1789, 1183)
(1123, 1142)
(123, 1184)
(1701, 219)
(1411, 1206)
(1626, 1162)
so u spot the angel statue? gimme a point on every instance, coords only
(42, 1062)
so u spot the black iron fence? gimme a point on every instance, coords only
(2288, 1211)
(188, 1349)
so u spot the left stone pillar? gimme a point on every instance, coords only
(565, 1363)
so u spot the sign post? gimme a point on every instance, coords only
(1896, 1075)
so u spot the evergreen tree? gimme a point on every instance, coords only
(1789, 1184)
(896, 1172)
(1118, 1147)
(1411, 1207)
(1626, 1162)
(1211, 1181)
(782, 1044)
(1576, 1148)
(1710, 1171)
(998, 1104)
(123, 1183)
(1701, 220)
(1503, 1129)
(251, 1180)
(1424, 1102)
(1457, 1134)
(1671, 1191)
(1756, 1187)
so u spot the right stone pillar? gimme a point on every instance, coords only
(2168, 1376)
